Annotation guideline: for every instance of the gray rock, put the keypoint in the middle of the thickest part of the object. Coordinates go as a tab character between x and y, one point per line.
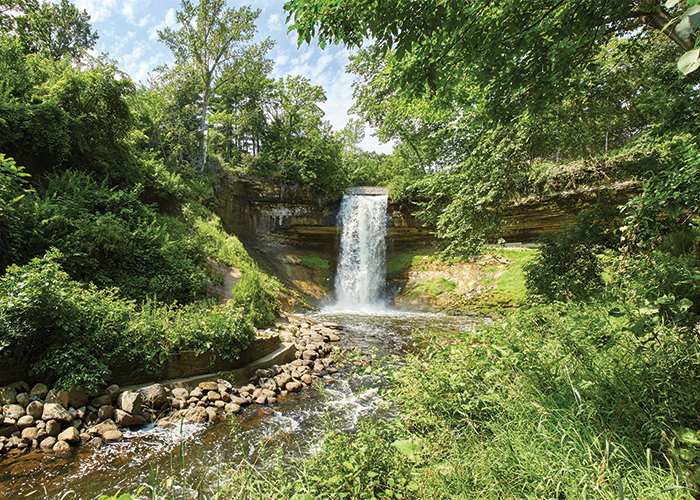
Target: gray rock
126	420
100	401
53	428
23	399
59	397
113	391
70	435
47	443
85	437
40	391
8	395
35	409
130	402
54	411
77	397
293	386
105	412
8	430
154	395
77	423
25	421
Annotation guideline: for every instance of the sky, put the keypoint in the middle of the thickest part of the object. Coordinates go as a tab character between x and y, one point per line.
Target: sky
128	33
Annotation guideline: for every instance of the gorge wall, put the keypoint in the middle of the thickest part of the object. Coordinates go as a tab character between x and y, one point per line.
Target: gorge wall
293	230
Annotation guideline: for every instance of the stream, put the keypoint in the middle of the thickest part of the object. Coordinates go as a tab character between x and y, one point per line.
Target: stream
193	453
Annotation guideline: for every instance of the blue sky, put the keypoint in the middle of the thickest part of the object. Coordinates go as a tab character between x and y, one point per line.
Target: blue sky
127	31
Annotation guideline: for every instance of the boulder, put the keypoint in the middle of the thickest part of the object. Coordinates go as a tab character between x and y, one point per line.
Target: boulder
154	395
127	420
208	386
8	430
55	411
47	443
181	393
105	412
8	395
112	391
238	400
198	414
40	391
103	427
70	435
53	428
130	402
293	386
212	414
77	397
197	392
232	408
35	409
14	411
100	401
23	399
113	435
25	421
283	379
213	396
61	447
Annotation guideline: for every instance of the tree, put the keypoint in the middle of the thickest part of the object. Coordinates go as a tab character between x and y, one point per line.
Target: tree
517	50
55	30
209	39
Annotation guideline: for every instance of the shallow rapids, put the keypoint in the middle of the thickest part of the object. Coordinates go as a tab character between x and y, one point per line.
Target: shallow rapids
181	458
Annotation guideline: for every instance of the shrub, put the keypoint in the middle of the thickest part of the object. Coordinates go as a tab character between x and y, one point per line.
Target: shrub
255	298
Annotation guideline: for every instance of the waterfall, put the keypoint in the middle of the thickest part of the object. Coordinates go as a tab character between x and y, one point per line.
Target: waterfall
361	276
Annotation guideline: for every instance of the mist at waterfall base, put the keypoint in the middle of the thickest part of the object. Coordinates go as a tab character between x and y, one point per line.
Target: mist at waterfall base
361	277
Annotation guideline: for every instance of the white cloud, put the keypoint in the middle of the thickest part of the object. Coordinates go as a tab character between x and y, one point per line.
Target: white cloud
274	23
169	20
99	10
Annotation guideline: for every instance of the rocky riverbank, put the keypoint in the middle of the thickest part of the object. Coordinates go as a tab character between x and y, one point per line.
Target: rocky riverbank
55	420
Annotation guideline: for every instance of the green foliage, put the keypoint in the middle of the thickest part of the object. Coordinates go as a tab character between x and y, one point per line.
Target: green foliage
435	287
255	297
567	266
315	261
13	212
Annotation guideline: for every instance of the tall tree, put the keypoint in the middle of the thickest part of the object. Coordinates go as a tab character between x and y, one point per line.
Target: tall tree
55	30
209	38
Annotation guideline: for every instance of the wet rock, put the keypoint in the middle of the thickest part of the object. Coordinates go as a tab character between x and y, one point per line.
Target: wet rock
105	412
271	400
55	411
178	404
8	395
100	401
212	414
130	402
77	423
59	397
53	428
70	435
165	423
61	447
268	393
103	427
85	437
40	391
113	435
282	379
47	443
127	420
261	400
306	379
181	393
25	421
77	397
332	337
154	395
237	400
13	411
293	386
197	414
232	408
113	392
264	373
97	441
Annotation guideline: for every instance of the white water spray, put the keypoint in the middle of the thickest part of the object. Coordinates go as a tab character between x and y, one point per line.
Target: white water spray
361	276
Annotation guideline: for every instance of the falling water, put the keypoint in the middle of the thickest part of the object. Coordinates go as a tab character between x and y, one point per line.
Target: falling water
361	279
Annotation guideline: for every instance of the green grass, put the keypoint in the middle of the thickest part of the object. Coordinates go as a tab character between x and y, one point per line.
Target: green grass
435	287
402	262
316	262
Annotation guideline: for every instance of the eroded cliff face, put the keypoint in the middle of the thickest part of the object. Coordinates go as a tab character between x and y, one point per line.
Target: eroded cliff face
294	230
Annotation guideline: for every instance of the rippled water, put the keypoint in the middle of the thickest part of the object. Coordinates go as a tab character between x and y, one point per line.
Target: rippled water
194	452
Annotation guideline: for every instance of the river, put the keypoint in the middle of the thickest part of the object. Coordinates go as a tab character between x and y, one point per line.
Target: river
176	461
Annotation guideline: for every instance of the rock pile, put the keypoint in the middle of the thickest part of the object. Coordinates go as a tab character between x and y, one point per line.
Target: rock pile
43	419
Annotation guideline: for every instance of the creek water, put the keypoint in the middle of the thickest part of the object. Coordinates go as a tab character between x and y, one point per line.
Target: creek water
194	454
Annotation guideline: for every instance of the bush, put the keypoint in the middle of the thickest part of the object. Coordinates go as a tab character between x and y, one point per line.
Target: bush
255	298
